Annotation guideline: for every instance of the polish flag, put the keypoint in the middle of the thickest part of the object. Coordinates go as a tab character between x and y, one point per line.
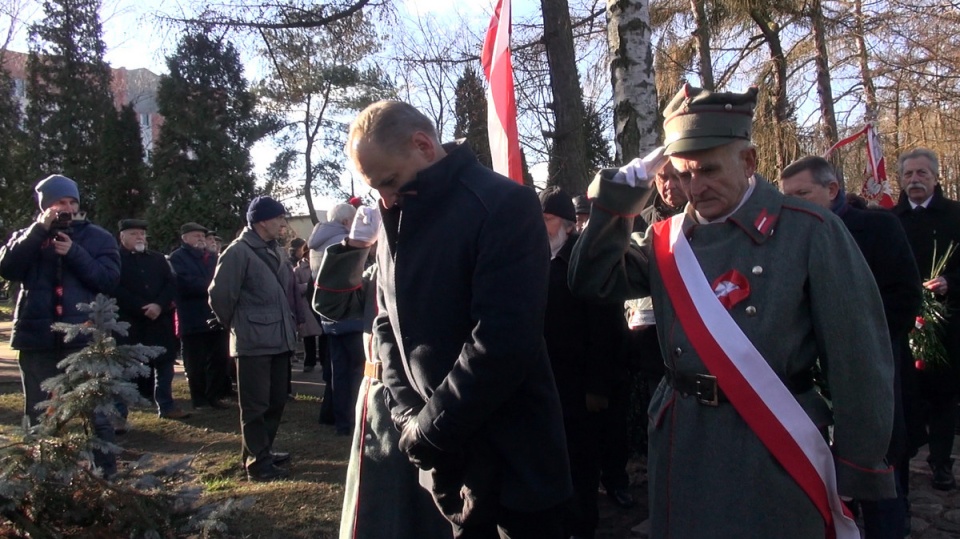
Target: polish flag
501	100
876	187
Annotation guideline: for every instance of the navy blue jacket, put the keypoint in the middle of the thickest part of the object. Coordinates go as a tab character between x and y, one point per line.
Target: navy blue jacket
194	268
461	292
91	266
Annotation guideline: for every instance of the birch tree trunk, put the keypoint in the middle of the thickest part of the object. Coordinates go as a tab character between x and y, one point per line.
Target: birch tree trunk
635	115
568	156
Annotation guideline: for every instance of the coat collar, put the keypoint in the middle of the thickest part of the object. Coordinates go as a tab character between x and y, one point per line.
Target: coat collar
937	202
757	217
433	182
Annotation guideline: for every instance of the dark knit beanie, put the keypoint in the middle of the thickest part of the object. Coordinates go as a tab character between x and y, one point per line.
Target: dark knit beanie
263	209
582	204
53	188
556	201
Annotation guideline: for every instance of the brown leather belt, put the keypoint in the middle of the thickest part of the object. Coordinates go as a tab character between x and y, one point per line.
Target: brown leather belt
373	370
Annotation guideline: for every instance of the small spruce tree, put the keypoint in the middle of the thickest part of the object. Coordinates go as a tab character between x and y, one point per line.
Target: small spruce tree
48	485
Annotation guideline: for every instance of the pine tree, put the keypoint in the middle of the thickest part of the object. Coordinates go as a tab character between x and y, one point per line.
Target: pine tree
47	485
124	191
200	167
598	150
16	210
470	111
318	81
68	92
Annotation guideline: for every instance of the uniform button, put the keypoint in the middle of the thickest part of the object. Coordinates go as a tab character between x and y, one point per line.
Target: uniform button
757	270
677	352
751	310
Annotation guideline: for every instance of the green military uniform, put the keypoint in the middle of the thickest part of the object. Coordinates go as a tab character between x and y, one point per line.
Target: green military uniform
810	296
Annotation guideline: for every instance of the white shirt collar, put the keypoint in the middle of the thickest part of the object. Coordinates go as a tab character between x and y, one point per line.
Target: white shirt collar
925	203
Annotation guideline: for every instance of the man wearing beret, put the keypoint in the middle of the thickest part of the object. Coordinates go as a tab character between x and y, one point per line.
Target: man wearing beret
253	293
145	296
202	340
61	260
751	290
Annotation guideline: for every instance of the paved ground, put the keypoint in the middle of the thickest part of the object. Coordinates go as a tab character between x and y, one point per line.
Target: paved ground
936	514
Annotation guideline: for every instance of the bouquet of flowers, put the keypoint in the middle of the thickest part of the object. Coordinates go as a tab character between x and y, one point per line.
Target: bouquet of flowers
926	342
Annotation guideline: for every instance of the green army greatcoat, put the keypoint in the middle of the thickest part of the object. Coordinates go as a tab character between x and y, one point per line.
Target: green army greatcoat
811	296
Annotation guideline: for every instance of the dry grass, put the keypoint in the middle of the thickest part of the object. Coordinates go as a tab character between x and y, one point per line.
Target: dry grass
307	505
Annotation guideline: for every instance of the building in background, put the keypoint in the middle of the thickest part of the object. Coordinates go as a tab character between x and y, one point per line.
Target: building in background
137	86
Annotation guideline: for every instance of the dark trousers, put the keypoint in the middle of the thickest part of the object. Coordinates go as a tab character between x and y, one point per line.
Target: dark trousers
512	524
262	390
314	350
941	419
583	449
39	365
346	362
614	439
205	363
884	519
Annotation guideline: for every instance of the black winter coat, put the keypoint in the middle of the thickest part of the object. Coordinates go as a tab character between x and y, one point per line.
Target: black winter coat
462	292
147	278
928	231
194	269
584	340
91	266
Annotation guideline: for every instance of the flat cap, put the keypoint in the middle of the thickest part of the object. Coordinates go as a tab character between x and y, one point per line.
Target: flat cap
126	224
192	227
582	204
698	119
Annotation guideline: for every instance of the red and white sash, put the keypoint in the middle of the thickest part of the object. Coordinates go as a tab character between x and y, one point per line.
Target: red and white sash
754	390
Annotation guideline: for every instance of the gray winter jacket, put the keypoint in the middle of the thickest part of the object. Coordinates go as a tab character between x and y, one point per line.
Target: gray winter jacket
249	294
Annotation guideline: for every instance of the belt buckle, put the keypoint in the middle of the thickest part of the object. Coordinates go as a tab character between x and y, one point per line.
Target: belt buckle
707	393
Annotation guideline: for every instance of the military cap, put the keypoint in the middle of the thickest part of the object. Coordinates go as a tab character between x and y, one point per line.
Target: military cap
126	224
698	119
192	227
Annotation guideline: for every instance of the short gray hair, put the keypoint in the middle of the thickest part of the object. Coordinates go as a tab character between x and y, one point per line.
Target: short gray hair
389	125
341	212
820	169
920	152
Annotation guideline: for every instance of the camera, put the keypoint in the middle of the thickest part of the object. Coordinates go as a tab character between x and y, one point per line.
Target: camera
62	222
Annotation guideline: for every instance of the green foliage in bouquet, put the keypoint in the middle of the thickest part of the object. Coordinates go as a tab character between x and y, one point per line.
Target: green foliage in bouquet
926	339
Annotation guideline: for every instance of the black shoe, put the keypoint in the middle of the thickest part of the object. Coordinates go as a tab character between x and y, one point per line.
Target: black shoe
279	457
622	497
267	473
308	368
943	477
220	405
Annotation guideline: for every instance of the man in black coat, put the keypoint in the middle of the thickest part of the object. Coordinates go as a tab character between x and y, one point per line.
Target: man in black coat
145	295
884	246
932	223
203	341
464	261
584	343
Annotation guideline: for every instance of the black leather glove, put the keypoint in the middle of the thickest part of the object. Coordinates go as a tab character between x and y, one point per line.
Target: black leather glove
421	453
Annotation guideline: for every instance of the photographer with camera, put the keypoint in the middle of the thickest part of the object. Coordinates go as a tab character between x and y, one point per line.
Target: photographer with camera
62	260
203	340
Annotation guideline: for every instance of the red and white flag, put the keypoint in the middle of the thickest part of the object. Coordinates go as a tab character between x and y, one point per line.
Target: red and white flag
876	187
501	99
